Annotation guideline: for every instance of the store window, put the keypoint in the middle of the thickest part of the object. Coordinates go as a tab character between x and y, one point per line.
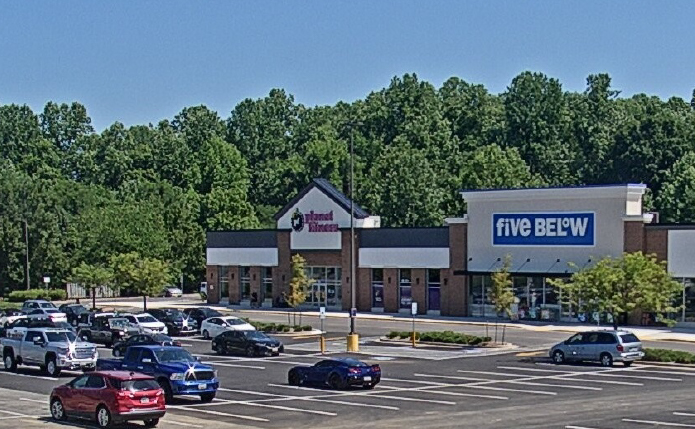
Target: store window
480	305
267	282
405	289
325	290
688	312
223	277
245	283
434	284
377	288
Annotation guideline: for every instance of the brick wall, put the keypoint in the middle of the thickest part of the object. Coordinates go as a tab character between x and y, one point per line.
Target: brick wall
454	294
390	290
364	289
283	273
213	285
656	241
633	236
255	273
234	285
419	289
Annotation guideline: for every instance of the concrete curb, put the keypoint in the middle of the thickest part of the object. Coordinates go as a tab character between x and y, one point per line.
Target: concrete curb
386	340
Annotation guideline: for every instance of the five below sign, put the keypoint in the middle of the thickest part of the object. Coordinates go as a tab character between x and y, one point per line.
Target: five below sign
543	229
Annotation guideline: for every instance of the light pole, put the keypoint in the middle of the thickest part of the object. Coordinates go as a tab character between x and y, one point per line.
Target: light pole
352	338
26	243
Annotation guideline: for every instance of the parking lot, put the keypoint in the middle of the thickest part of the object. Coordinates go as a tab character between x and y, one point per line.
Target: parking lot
493	391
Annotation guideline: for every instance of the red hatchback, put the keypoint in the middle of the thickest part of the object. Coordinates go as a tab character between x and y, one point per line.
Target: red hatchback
110	397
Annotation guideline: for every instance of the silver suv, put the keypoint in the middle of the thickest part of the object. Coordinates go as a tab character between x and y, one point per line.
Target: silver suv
603	346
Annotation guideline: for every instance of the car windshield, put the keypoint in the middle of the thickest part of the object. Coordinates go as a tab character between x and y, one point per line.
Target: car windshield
78	309
46	305
161	338
63	325
257	335
629	338
208	312
118	323
134	385
174	355
146	319
174	314
354	362
60	337
234	321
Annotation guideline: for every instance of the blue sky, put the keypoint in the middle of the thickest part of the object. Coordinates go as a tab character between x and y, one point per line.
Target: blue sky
139	62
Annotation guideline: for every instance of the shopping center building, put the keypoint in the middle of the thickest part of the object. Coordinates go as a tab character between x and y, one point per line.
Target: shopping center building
547	233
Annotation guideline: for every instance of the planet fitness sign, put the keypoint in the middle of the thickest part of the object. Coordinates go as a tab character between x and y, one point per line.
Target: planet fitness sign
543	229
315	222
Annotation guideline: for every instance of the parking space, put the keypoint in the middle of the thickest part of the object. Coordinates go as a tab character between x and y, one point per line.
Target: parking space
493	391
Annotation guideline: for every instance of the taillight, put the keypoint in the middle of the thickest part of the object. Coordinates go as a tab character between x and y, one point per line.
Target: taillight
177	343
376	368
354	371
620	348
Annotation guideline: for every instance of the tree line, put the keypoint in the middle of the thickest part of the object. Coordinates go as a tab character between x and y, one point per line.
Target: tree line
87	197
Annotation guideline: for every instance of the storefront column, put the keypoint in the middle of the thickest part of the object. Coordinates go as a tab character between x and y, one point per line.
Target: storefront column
213	286
283	273
234	285
419	290
390	290
364	289
255	273
454	293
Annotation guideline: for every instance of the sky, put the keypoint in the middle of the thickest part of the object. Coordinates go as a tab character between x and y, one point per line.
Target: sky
139	62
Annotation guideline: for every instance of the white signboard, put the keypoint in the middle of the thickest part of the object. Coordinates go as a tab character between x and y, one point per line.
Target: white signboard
322	312
413	308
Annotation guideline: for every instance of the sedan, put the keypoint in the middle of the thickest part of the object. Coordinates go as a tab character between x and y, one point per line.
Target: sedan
109	397
214	326
250	343
339	373
173	292
10	315
120	347
53	314
177	322
201	313
72	312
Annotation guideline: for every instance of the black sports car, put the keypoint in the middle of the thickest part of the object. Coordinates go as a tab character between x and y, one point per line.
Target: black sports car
250	343
337	373
176	321
120	347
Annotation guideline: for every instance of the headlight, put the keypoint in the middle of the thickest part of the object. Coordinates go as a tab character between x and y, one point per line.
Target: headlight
62	351
121	333
177	376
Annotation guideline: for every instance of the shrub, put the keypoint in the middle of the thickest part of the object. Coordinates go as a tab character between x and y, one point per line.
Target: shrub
285	328
48	294
296	328
307	328
5	305
449	337
664	355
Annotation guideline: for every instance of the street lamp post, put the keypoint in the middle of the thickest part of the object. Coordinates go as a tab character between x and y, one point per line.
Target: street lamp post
353	337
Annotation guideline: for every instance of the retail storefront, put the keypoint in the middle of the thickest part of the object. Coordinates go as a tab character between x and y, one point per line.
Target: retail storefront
546	233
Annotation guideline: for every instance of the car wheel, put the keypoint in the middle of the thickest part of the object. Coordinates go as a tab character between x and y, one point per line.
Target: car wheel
116	352
558	357
103	417
207	397
150	423
335	381
293	379
627	363
57	410
369	386
250	351
52	368
606	359
206	334
166	387
10	362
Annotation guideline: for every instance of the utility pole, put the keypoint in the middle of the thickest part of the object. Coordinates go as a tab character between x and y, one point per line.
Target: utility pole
352	338
26	246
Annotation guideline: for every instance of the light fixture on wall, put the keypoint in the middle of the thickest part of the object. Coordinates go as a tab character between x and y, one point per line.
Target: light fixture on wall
417	280
389	279
446	281
232	276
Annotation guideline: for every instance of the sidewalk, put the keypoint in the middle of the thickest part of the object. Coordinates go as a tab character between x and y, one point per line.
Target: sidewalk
682	334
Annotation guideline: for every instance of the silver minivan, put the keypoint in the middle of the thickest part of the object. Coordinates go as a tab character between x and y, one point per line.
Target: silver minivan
602	346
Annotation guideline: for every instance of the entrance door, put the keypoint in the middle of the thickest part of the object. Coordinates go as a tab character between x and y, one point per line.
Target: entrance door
319	296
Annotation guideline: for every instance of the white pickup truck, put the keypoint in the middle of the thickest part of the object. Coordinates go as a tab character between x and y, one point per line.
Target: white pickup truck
52	349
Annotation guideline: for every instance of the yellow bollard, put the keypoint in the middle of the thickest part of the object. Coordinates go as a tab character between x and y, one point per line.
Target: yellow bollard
353	343
322	344
412	336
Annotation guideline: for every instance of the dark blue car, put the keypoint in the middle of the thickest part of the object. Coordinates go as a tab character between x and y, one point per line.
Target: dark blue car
339	373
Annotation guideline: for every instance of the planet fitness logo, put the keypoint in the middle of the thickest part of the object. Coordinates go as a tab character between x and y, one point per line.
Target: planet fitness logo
297	220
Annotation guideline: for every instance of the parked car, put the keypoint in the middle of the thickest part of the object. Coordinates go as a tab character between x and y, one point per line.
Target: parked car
250	343
47	313
18	328
119	347
20	321
214	326
87	318
107	330
109	397
176	370
10	315
172	292
72	312
49	348
201	313
146	323
37	303
605	347
176	321
338	373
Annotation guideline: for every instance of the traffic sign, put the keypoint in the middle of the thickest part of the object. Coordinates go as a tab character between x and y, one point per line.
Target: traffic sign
413	308
322	312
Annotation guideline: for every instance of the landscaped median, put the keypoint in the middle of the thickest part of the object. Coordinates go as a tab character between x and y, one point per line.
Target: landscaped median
281	328
665	355
446	337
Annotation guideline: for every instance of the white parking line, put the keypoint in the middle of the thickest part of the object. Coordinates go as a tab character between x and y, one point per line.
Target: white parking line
450	377
571	377
440	392
217	413
34	400
519	368
655	371
304	398
658	423
238	359
562	386
280	407
501	374
678	413
233	365
643	377
30	376
485	381
370	393
578	427
173	422
504	389
15	414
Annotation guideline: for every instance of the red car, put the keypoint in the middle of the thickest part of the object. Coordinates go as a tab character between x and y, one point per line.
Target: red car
110	397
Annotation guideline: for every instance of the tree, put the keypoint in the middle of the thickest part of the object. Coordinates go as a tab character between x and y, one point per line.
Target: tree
501	292
92	276
299	285
676	201
616	286
143	276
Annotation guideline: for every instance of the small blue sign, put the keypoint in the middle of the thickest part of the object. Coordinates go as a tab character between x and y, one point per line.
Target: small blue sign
543	229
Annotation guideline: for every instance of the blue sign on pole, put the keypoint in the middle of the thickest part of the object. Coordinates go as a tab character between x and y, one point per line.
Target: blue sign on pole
543	229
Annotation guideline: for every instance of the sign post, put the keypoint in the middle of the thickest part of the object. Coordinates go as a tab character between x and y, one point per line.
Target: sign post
46	280
322	340
413	312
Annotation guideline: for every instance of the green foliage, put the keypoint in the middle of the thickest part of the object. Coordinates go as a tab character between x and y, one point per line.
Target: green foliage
449	337
92	276
47	294
140	275
501	292
5	305
665	355
299	284
615	286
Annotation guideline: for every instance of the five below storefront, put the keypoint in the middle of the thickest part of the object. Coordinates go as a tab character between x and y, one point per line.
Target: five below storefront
547	233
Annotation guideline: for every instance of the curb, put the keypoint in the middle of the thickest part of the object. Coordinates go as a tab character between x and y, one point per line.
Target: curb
300	334
386	340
